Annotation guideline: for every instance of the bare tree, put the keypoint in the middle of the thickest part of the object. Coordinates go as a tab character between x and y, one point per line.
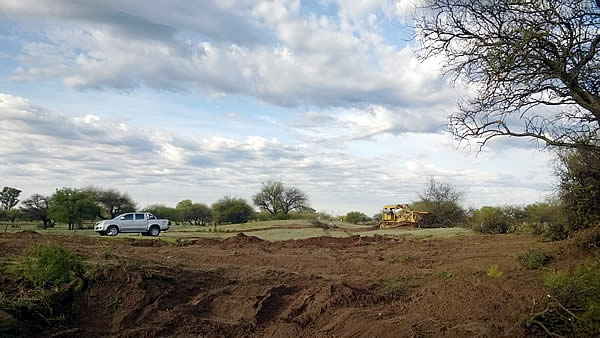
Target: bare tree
533	65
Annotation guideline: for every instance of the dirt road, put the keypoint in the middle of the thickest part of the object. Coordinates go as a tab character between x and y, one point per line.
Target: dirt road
318	287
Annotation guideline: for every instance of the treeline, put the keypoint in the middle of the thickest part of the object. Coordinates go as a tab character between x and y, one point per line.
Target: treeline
75	206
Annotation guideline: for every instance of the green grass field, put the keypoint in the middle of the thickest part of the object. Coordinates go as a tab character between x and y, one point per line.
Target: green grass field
267	230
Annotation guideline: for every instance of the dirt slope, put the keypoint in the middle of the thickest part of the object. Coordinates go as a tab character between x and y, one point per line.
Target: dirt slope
322	287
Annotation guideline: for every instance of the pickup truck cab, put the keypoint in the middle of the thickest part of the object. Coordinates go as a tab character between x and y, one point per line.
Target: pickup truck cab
142	222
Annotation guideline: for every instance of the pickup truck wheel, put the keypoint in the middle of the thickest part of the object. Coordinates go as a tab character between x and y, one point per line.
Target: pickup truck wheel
154	231
112	230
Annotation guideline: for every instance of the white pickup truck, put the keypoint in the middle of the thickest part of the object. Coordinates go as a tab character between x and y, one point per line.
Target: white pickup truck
142	222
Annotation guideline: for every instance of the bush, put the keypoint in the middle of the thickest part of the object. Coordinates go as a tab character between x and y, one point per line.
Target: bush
355	217
50	265
490	220
579	189
588	239
442	200
575	306
232	210
534	259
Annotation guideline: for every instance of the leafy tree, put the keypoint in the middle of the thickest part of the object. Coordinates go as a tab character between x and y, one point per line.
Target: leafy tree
578	172
533	66
184	204
36	208
116	203
9	197
355	217
111	203
442	200
13	214
183	211
161	211
72	206
377	217
232	210
278	200
199	213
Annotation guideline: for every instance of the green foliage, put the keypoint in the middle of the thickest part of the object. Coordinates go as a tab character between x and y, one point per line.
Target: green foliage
279	200
445	275
308	214
162	211
490	220
588	239
534	259
579	188
494	271
9	198
111	202
263	216
232	210
36	208
72	206
394	287
355	217
442	200
575	306
13	214
50	265
193	213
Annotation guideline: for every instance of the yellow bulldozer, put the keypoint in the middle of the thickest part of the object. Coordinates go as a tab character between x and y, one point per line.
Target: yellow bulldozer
401	215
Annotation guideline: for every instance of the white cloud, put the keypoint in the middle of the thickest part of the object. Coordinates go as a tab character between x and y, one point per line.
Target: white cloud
41	150
306	60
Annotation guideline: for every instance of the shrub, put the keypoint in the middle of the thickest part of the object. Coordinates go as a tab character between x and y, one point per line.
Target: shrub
394	287
574	309
490	220
355	217
579	189
50	265
534	259
232	210
588	239
442	200
494	272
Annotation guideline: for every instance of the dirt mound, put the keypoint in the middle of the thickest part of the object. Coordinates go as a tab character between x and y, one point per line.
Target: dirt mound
241	239
25	234
334	242
145	243
163	301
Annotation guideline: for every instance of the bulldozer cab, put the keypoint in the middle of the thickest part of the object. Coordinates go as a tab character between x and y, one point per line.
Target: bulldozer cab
400	215
391	213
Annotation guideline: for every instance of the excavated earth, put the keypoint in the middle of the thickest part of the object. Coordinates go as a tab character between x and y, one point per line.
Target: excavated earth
318	287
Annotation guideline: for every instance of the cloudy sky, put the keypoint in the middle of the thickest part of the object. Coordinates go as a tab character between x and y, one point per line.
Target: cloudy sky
170	100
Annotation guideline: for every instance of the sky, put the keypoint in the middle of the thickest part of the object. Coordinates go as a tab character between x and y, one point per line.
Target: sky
173	100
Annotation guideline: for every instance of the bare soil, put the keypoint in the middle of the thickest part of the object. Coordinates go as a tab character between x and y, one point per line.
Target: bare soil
318	287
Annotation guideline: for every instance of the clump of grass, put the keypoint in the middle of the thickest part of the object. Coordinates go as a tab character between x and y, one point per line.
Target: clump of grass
445	275
494	271
395	287
574	307
107	253
49	265
534	259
